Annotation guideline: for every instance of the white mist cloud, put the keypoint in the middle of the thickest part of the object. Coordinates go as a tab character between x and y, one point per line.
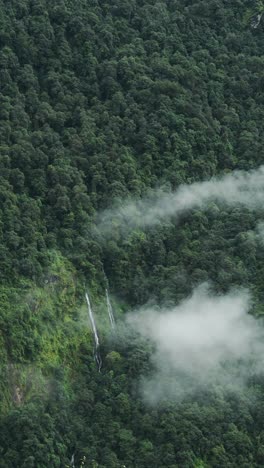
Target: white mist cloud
206	340
236	188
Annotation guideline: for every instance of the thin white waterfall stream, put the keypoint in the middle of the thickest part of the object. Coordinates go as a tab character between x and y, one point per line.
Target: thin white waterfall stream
96	339
110	310
72	461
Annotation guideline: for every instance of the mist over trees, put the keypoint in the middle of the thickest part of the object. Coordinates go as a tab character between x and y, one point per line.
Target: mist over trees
101	105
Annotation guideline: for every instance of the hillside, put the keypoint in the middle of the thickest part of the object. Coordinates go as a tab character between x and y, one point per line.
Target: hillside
105	105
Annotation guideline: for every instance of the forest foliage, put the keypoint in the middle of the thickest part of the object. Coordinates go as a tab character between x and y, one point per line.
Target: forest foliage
100	102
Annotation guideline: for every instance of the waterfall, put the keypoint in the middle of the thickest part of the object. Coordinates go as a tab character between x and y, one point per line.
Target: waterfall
72	461
96	339
97	356
110	310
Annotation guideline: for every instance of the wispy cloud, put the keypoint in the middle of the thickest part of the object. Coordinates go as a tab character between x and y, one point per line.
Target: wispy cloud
236	188
206	340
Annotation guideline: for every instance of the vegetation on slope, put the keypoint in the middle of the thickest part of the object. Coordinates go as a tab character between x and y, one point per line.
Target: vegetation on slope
100	102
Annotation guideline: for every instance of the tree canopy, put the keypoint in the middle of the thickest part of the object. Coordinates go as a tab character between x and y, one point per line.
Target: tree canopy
102	102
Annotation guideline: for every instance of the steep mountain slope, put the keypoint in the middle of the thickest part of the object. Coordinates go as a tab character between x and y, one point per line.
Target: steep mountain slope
101	102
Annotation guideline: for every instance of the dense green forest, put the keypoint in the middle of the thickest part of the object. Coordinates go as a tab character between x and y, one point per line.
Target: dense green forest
103	102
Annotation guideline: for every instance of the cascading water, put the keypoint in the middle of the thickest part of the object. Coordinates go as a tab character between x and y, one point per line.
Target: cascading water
72	461
97	356
110	310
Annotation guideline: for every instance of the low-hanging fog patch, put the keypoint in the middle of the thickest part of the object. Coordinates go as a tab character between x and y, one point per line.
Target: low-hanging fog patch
207	340
236	188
